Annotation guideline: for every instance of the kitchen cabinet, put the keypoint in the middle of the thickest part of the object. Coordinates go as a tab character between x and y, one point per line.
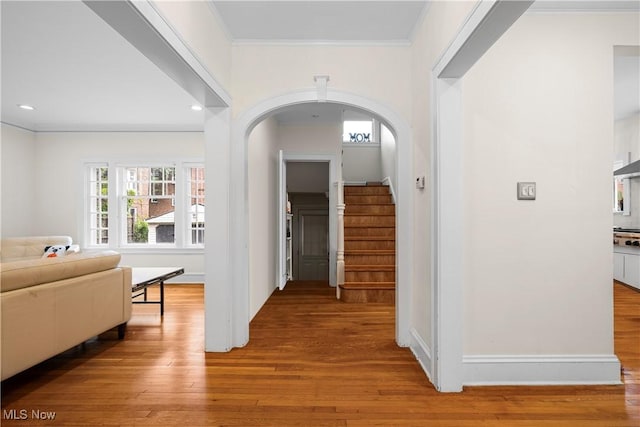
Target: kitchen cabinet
618	267
626	268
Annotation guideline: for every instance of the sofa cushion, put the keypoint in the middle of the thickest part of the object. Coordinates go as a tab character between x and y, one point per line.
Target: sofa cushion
14	248
30	272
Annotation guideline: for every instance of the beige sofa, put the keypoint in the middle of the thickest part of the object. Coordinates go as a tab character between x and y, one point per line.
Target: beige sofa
49	305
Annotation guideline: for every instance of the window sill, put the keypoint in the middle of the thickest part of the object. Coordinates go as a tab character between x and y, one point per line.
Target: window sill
360	144
152	250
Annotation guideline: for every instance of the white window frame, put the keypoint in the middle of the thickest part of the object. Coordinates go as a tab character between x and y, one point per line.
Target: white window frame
375	133
626	191
90	226
118	185
187	166
123	173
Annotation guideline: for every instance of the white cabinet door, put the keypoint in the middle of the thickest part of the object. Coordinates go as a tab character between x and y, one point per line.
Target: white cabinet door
618	267
626	268
632	270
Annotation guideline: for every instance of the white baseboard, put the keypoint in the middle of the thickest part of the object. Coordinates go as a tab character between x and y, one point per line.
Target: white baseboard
422	352
541	370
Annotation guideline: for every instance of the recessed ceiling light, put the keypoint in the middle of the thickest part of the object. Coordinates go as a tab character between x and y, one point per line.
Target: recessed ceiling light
26	107
315	116
196	108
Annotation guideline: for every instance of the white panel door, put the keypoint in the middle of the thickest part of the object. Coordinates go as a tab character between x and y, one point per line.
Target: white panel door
281	268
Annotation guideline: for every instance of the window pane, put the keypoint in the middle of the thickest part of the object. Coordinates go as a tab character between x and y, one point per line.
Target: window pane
147	204
156	174
156	189
98	205
136	225
357	132
150	204
170	174
196	196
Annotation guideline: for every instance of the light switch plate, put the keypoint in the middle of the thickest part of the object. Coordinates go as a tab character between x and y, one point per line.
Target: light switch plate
526	191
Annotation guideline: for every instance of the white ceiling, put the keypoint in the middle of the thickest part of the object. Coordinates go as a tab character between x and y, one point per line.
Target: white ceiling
81	75
310	113
321	21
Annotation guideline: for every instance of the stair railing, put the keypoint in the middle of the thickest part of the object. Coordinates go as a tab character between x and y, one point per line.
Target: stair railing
340	251
387	181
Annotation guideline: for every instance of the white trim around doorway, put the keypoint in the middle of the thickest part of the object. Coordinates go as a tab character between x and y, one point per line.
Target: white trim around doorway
331	159
243	126
485	24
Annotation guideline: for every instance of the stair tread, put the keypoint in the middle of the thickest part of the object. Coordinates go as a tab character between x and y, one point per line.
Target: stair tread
374	206
361	194
368	214
368	226
368	285
368	184
367	238
348	187
370	267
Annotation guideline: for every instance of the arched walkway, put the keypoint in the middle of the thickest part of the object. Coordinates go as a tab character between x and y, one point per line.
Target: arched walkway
242	127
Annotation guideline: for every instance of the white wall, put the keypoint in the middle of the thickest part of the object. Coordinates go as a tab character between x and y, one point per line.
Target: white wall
263	219
431	39
19	180
540	108
388	155
58	171
627	140
361	163
310	139
380	73
202	31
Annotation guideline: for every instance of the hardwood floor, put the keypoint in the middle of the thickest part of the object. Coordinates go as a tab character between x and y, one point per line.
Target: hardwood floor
312	361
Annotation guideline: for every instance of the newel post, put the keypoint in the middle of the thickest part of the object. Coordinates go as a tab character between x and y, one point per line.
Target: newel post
340	252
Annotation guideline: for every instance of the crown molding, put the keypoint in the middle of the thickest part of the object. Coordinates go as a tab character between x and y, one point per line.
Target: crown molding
322	43
584	6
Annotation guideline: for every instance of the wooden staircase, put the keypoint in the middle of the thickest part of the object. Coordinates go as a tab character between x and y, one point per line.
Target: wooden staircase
369	244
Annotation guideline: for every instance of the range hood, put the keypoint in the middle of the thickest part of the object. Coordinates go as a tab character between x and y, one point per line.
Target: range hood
632	170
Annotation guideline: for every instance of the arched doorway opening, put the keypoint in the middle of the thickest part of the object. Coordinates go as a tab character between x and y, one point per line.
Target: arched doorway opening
239	205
